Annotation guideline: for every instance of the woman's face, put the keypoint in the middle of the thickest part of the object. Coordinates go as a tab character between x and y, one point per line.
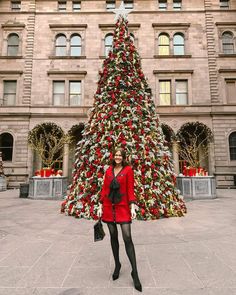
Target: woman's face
118	158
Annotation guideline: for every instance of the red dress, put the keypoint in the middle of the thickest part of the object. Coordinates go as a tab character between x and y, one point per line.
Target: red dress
120	212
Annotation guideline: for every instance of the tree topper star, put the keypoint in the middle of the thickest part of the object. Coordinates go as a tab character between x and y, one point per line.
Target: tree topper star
121	11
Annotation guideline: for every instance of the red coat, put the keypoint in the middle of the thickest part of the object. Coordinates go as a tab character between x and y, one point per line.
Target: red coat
119	213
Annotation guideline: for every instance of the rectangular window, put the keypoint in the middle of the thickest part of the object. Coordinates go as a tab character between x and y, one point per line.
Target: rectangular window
231	91
9	95
162	4
129	4
224	4
110	4
59	93
75	93
165	92
177	4
181	92
76	6
61	5
15	5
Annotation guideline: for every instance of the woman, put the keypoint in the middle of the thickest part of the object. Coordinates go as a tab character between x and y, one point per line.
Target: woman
117	207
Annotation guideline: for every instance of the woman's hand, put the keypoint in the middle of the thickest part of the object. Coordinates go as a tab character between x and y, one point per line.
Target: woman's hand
133	212
99	212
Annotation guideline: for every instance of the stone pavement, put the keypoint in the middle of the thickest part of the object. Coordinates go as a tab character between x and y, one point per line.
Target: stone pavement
43	252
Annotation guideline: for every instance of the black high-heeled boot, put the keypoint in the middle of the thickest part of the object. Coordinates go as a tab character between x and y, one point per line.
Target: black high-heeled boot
116	272
137	284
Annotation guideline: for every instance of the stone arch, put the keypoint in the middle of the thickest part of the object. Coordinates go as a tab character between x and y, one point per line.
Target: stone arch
76	135
47	141
194	139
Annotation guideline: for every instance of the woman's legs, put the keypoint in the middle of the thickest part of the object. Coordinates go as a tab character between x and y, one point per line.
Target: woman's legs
129	247
115	248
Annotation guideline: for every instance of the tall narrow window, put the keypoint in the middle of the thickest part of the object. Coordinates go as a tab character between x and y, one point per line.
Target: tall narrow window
232	146
164	44
228	43
6	146
76	6
177	4
108	43
60	45
224	4
164	92
162	4
178	44
61	5
75	45
129	4
75	93
9	95
181	95
110	4
231	91
15	5
13	45
58	93
132	37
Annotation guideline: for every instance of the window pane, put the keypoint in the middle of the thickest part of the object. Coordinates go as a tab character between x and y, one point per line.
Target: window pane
177	4
59	93
62	5
164	45
129	4
76	5
108	44
13	40
76	40
15	5
165	92
224	3
232	146
231	91
75	93
61	40
9	95
181	92
178	44
75	51
110	4
162	4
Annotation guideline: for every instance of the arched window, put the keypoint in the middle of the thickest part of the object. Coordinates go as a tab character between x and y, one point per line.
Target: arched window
12	44
108	43
61	45
178	44
164	44
228	43
232	146
75	45
6	146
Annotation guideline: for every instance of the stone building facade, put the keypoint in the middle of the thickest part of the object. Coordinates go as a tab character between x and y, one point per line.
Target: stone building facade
51	52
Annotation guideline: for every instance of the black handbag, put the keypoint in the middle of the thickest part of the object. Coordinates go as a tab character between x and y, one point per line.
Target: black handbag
99	233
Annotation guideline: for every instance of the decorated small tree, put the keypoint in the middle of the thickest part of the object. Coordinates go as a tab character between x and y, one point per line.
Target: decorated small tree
124	115
48	140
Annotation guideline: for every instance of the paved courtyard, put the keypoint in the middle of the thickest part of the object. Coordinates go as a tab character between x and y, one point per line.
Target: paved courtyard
47	253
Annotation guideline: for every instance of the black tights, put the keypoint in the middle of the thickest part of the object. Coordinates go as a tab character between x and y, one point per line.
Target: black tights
129	246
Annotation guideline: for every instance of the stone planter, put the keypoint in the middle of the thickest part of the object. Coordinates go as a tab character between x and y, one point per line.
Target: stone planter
197	187
47	188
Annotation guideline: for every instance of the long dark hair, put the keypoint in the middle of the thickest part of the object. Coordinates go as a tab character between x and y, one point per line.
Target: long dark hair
123	154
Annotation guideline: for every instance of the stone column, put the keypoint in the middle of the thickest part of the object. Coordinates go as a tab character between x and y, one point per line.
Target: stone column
211	160
176	157
65	159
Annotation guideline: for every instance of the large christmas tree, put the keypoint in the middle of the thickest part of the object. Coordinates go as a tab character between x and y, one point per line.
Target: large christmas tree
124	115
